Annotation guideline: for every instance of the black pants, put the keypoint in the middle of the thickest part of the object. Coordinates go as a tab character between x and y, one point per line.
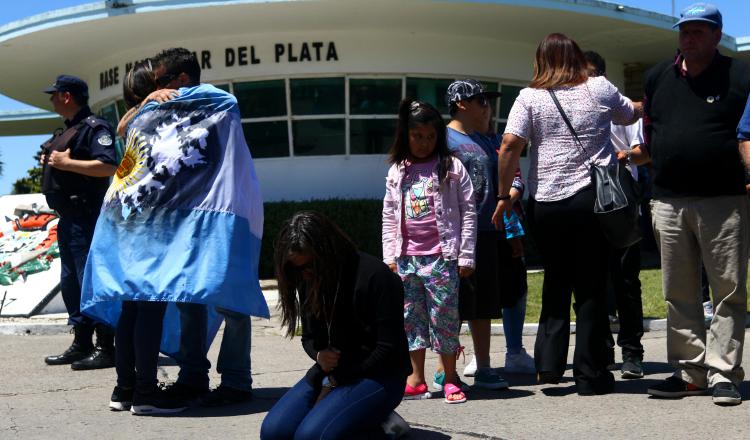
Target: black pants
574	255
138	337
624	267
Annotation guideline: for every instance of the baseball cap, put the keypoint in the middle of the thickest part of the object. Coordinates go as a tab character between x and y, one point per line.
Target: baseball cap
69	83
462	89
705	12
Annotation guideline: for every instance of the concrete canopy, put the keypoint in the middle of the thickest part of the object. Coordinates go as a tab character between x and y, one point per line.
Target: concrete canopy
74	40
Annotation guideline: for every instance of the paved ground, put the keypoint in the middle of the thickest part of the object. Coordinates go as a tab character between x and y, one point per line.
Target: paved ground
37	401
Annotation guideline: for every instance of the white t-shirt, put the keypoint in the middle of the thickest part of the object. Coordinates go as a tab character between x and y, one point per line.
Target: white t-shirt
625	137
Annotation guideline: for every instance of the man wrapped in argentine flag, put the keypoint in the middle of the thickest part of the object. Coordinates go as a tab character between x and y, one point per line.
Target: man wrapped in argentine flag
183	218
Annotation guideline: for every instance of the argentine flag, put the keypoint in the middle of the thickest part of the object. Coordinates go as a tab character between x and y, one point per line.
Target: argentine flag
183	218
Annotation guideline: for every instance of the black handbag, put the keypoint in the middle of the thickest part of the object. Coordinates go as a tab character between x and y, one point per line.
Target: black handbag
617	197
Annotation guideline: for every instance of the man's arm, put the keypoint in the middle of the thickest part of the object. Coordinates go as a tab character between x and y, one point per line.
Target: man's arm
745	154
93	168
638	156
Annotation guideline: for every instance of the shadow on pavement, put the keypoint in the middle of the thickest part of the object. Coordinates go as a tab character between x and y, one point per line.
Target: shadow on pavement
629	386
525	380
263	400
423	434
657	368
482	394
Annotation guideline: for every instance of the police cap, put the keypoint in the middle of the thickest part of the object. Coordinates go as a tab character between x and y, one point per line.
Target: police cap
69	83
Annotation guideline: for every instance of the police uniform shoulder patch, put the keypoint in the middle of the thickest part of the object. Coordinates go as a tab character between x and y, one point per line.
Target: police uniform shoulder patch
105	139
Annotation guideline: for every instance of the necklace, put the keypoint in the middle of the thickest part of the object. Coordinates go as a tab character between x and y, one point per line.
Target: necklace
329	319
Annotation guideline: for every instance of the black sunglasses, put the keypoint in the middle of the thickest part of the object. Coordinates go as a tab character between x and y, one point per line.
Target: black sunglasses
165	79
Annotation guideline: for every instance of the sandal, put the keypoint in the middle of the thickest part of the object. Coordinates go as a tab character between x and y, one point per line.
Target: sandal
418	392
451	390
439	379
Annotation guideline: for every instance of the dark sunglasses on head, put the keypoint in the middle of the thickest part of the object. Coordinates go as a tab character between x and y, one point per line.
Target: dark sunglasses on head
165	79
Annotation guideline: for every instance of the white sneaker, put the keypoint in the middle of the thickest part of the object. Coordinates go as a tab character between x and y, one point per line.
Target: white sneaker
395	426
471	369
520	363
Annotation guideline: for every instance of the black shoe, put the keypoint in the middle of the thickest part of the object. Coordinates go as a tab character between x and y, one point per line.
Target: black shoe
79	349
224	395
156	402
632	367
121	400
543	377
98	359
674	387
74	353
726	394
596	386
187	394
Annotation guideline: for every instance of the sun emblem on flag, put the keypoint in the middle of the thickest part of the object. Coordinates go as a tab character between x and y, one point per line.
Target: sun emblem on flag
132	166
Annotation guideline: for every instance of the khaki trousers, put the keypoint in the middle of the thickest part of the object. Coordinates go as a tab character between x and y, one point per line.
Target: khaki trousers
715	231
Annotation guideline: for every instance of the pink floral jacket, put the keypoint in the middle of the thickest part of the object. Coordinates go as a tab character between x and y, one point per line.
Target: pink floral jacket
454	211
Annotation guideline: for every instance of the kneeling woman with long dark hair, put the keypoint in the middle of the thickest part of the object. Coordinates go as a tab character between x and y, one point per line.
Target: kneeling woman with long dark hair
351	309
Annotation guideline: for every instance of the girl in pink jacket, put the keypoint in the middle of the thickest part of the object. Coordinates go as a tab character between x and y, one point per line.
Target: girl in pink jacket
429	231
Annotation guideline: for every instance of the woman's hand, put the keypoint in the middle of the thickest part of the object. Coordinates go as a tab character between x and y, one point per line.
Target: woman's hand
465	271
393	268
162	96
328	359
503	207
326	389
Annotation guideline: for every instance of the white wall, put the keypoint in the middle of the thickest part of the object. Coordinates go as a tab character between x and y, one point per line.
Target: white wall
359	52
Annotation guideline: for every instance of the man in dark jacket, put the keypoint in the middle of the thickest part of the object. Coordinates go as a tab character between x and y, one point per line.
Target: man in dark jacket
700	207
77	164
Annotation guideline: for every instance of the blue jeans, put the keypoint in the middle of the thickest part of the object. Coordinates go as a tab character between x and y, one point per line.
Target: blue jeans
348	410
513	319
234	355
194	364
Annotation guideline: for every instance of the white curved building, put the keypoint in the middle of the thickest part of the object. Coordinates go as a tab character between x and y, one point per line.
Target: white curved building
319	81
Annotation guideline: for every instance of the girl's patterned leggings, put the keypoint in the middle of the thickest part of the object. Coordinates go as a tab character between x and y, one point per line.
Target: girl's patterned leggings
430	302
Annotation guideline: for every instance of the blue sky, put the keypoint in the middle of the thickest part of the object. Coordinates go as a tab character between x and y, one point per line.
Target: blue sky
17	152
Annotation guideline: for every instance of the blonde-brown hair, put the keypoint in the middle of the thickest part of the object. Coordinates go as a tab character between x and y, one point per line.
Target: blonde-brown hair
559	62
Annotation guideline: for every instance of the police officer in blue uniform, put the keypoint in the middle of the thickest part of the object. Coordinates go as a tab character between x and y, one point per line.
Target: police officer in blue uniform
77	164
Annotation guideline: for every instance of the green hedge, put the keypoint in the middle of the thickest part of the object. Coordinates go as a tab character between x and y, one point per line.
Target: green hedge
361	219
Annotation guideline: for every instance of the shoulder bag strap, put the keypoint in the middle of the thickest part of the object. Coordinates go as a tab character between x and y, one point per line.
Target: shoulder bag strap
565	118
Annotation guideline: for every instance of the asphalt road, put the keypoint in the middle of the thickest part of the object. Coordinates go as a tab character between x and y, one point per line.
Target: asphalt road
38	401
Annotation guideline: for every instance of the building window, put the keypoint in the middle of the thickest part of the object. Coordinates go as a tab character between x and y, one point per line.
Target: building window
374	96
319	137
337	115
109	113
317	96
371	136
429	90
260	99
224	87
267	139
510	93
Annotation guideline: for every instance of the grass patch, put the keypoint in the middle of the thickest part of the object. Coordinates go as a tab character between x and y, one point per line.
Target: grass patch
651	295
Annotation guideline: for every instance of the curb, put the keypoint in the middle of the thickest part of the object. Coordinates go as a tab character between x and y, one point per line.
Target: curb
649	325
57	323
